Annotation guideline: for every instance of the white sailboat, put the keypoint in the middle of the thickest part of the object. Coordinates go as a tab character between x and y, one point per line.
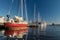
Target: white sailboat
33	23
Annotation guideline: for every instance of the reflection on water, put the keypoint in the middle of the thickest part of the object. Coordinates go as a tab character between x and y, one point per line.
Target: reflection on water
45	33
42	33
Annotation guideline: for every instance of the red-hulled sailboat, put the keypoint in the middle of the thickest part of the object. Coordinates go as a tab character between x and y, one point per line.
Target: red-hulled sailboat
17	26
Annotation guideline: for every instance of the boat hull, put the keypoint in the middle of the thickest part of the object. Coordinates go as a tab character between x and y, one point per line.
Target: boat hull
16	28
8	24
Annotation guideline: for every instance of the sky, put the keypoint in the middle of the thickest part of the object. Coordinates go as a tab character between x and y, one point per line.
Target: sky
49	9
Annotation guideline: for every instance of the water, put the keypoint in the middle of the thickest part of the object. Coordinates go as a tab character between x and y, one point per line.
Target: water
45	33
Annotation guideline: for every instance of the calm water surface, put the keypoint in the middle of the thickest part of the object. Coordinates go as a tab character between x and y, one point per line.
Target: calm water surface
41	33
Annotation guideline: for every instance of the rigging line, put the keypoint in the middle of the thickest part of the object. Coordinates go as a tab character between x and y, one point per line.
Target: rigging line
10	7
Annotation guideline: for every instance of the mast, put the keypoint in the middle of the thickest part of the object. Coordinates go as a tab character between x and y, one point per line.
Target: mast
22	7
19	9
39	17
34	12
26	10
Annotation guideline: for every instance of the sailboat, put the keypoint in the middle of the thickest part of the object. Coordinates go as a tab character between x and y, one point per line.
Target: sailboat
41	22
33	23
17	26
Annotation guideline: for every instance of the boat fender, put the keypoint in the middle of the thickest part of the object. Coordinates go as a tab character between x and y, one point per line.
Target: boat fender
12	20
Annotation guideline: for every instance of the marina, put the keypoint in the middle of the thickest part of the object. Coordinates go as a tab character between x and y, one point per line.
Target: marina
29	20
